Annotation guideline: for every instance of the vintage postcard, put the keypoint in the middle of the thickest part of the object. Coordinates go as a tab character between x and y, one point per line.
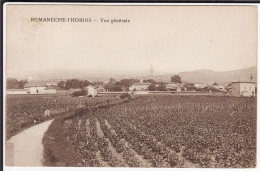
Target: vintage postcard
146	86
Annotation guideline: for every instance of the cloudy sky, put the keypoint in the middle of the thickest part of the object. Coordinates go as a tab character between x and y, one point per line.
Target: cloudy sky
172	38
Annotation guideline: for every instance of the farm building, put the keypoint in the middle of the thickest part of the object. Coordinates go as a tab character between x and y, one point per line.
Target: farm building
245	89
175	87
38	88
16	91
200	85
92	91
139	86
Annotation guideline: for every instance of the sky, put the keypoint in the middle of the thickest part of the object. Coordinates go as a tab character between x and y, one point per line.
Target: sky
171	38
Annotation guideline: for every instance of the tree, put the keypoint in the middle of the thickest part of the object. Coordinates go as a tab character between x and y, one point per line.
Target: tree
73	83
113	87
79	93
151	87
176	79
61	84
126	83
12	83
161	87
112	80
150	81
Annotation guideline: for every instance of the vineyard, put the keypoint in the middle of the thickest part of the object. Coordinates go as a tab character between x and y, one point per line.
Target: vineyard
165	131
23	110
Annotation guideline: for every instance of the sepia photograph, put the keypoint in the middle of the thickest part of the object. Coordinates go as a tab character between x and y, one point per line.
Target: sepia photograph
143	86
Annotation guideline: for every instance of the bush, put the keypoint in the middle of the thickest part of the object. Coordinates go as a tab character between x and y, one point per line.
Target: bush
125	96
79	93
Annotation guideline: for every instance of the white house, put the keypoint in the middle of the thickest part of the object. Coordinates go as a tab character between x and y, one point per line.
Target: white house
175	86
245	89
139	86
141	92
92	91
200	85
38	88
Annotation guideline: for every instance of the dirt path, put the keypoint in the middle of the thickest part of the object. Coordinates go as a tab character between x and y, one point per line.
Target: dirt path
25	148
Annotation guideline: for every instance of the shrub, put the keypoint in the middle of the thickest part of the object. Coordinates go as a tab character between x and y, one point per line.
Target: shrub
125	96
79	93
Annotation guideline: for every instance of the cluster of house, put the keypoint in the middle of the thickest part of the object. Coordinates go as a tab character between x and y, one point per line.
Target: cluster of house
235	88
50	88
238	89
35	88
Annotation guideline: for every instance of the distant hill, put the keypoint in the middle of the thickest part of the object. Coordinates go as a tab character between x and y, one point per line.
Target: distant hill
210	76
200	76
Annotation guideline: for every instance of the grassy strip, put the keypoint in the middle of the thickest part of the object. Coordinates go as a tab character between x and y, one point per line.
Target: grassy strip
58	151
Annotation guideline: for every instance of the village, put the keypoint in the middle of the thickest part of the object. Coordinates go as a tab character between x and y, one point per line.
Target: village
75	87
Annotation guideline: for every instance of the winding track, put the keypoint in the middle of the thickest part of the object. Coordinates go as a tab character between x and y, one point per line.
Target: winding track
25	148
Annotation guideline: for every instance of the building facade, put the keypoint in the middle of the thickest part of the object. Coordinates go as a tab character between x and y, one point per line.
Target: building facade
200	85
243	89
139	86
92	91
38	88
175	87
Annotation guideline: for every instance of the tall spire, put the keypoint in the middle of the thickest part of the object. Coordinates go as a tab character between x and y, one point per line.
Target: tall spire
151	70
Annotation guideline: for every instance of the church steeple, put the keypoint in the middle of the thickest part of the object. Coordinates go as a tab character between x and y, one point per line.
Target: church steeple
151	70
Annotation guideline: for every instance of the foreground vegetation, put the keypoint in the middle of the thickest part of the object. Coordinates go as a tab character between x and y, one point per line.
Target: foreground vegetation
163	131
23	111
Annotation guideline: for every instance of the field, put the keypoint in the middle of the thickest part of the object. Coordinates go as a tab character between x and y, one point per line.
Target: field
166	131
23	111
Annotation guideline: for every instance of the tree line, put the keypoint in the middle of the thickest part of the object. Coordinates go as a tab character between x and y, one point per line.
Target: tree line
12	83
73	83
112	85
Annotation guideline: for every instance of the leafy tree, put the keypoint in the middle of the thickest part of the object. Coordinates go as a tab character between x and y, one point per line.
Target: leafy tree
112	80
161	88
61	84
97	83
151	87
113	87
12	83
126	83
176	79
79	93
73	83
150	81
